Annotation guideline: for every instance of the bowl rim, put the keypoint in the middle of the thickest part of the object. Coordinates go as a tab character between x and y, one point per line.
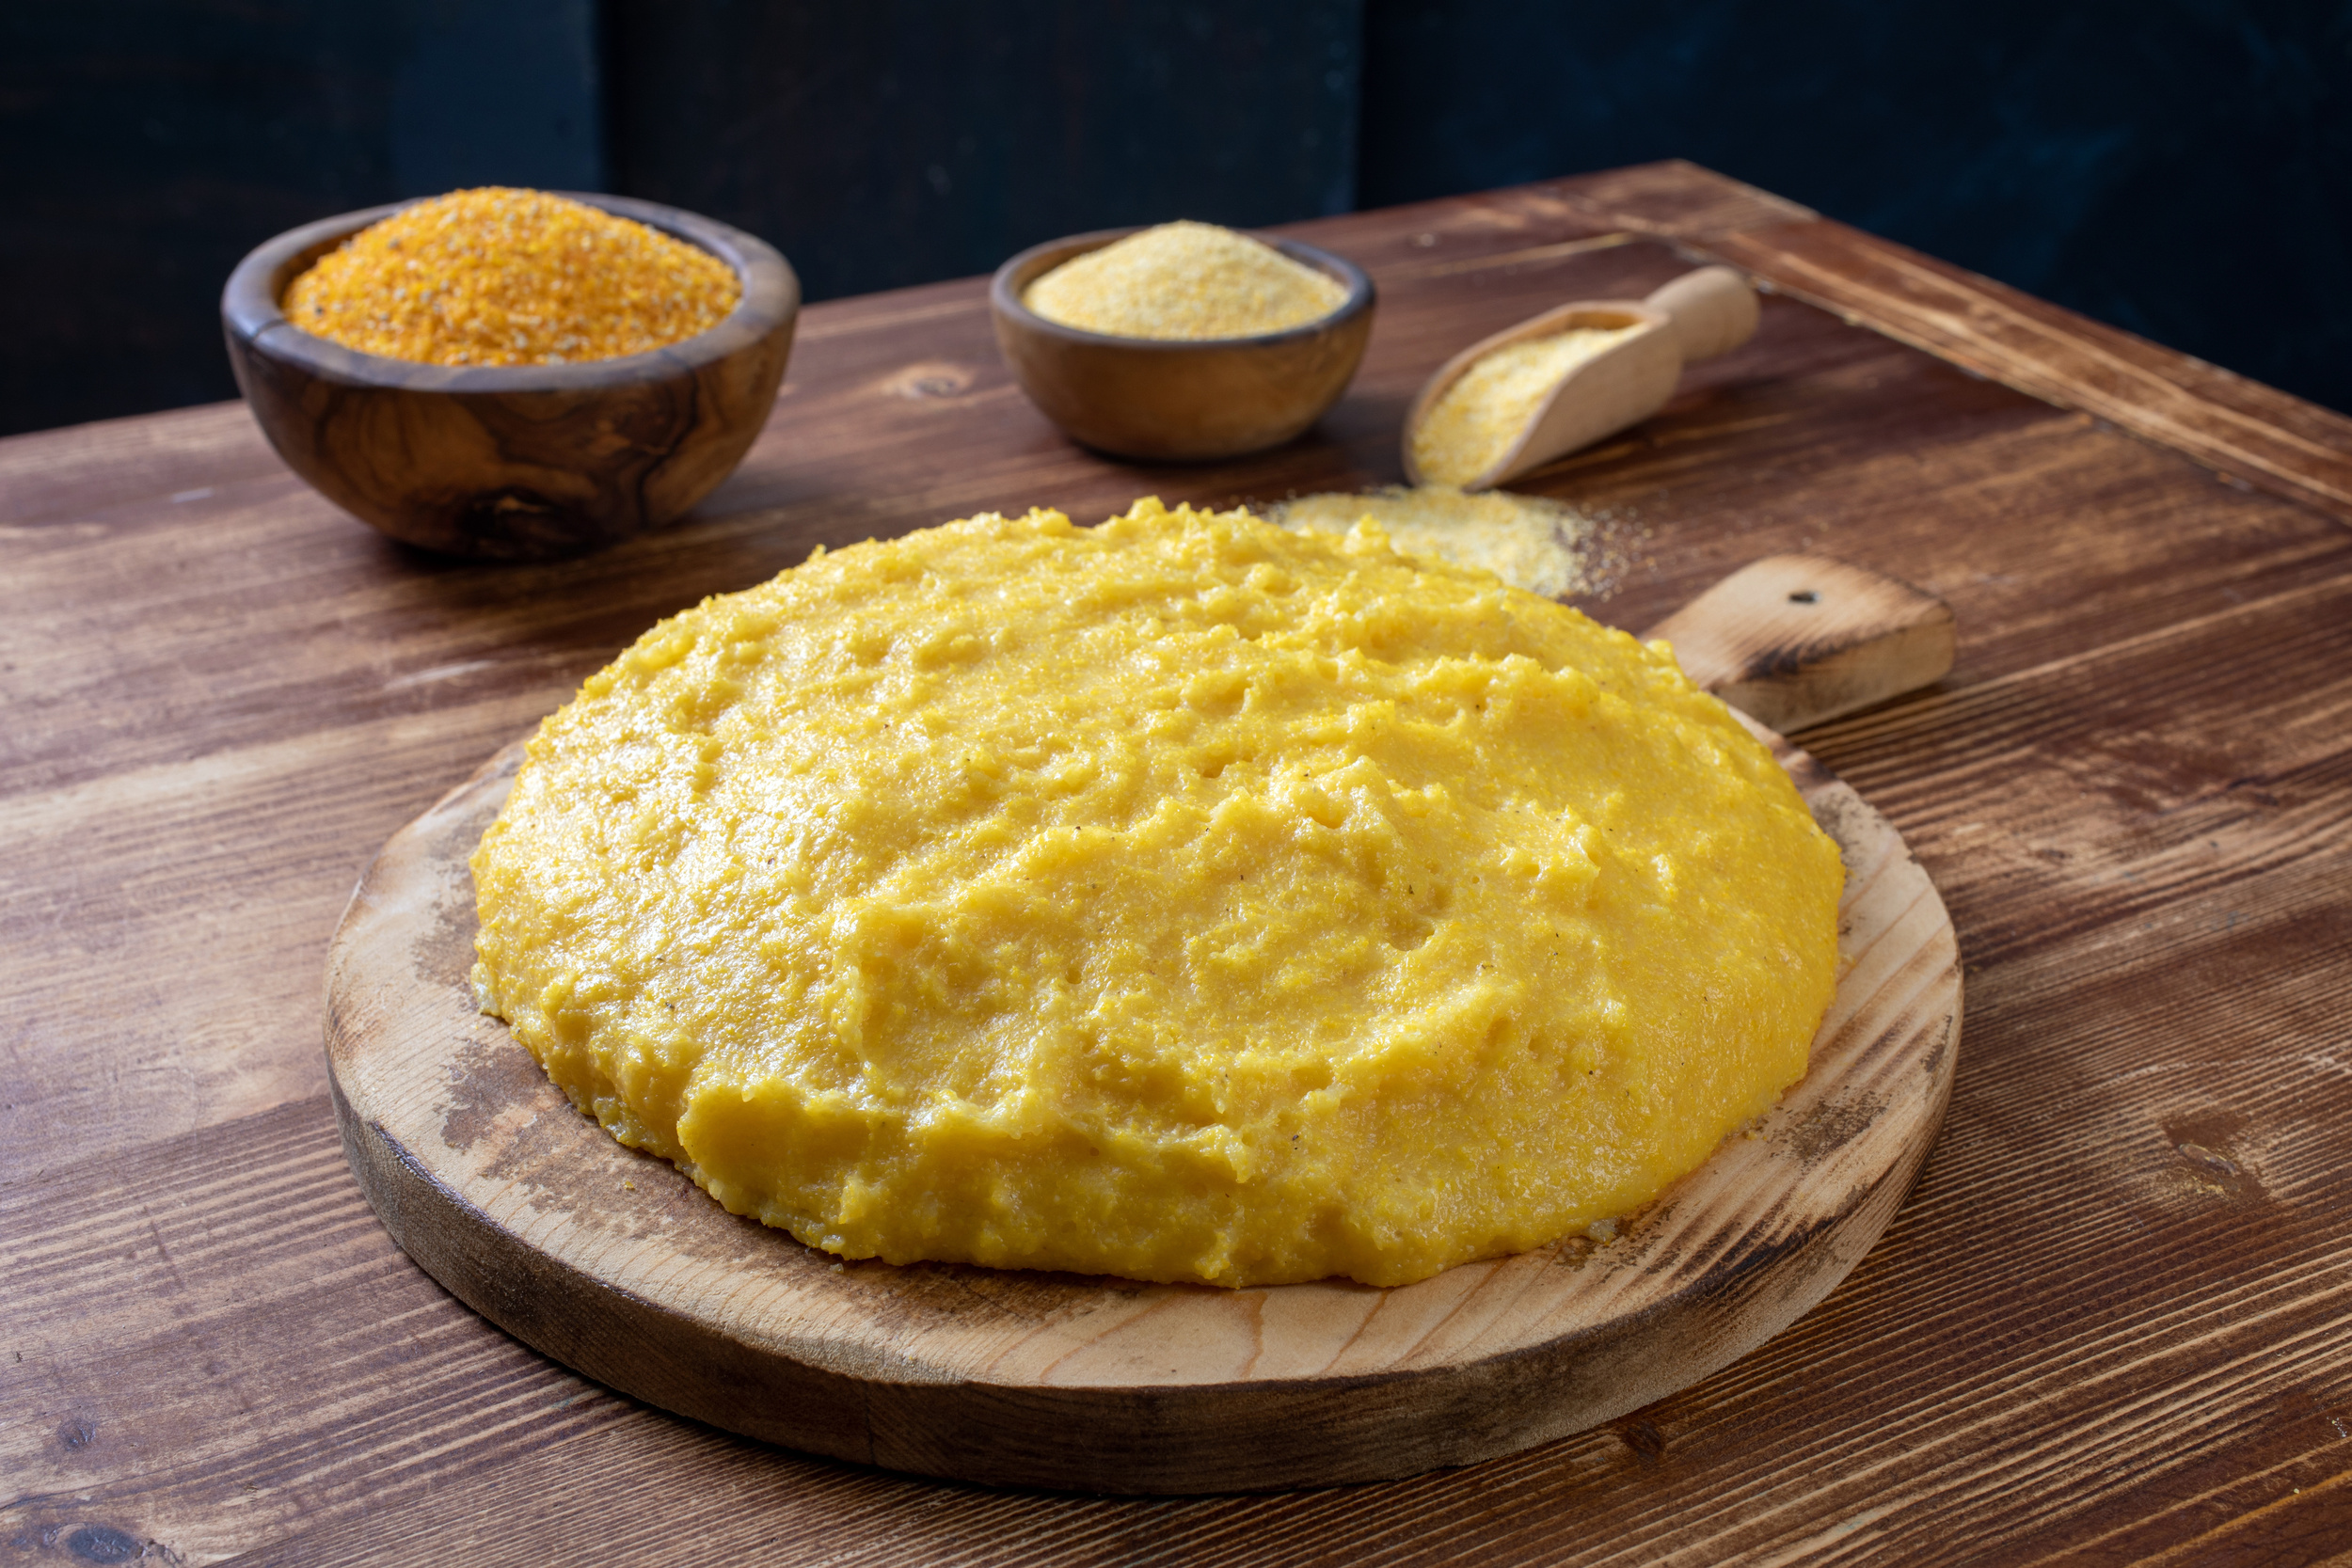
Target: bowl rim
1024	268
250	310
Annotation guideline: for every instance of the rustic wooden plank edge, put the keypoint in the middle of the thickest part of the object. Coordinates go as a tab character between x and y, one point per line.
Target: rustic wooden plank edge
2241	428
1675	199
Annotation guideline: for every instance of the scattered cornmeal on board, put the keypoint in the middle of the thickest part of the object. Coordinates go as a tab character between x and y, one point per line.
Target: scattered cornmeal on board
1528	542
1183	899
1184	281
1478	419
502	276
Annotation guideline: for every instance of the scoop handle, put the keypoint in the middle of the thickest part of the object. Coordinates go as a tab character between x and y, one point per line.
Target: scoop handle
1713	312
1794	640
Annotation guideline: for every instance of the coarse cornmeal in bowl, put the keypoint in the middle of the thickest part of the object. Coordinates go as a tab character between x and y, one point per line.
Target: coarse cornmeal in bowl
510	375
1182	898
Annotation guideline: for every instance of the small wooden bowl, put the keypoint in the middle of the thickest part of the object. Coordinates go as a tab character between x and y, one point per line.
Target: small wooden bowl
513	462
1184	401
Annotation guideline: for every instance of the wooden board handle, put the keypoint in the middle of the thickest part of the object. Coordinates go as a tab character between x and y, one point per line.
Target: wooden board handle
1713	312
1794	640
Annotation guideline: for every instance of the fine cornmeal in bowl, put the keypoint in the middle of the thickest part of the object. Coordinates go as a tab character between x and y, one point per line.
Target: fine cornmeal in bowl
1184	282
1183	898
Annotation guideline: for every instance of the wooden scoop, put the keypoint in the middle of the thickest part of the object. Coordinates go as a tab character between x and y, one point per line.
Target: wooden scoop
1696	316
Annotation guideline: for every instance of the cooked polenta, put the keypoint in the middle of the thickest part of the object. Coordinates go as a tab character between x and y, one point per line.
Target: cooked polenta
1180	898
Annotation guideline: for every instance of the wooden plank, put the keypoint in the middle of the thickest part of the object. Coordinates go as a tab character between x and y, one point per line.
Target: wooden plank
2108	1323
2238	427
2245	431
72	476
227	1338
1994	1173
2129	782
1678	200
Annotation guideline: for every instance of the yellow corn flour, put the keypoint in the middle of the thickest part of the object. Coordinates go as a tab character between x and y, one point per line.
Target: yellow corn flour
1530	542
1184	281
1481	417
1183	898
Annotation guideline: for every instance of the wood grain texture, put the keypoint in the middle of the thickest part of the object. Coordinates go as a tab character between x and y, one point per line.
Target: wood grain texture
2113	1321
1793	639
615	1264
1178	401
513	462
2238	427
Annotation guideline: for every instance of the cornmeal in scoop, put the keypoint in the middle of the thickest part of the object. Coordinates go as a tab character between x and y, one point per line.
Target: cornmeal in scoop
1182	898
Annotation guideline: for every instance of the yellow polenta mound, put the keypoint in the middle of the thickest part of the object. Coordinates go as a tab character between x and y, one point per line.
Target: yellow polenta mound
1182	898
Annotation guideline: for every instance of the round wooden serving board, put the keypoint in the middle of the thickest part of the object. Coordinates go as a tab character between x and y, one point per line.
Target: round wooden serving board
613	1263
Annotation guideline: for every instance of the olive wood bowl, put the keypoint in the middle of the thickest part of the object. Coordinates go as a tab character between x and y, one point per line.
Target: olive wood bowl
1188	400
513	462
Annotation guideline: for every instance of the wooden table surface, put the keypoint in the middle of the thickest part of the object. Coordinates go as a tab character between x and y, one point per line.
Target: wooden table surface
2113	1322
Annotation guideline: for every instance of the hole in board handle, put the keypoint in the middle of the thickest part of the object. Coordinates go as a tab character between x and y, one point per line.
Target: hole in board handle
1805	595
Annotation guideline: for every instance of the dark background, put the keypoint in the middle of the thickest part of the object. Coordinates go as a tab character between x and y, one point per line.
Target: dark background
2179	168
